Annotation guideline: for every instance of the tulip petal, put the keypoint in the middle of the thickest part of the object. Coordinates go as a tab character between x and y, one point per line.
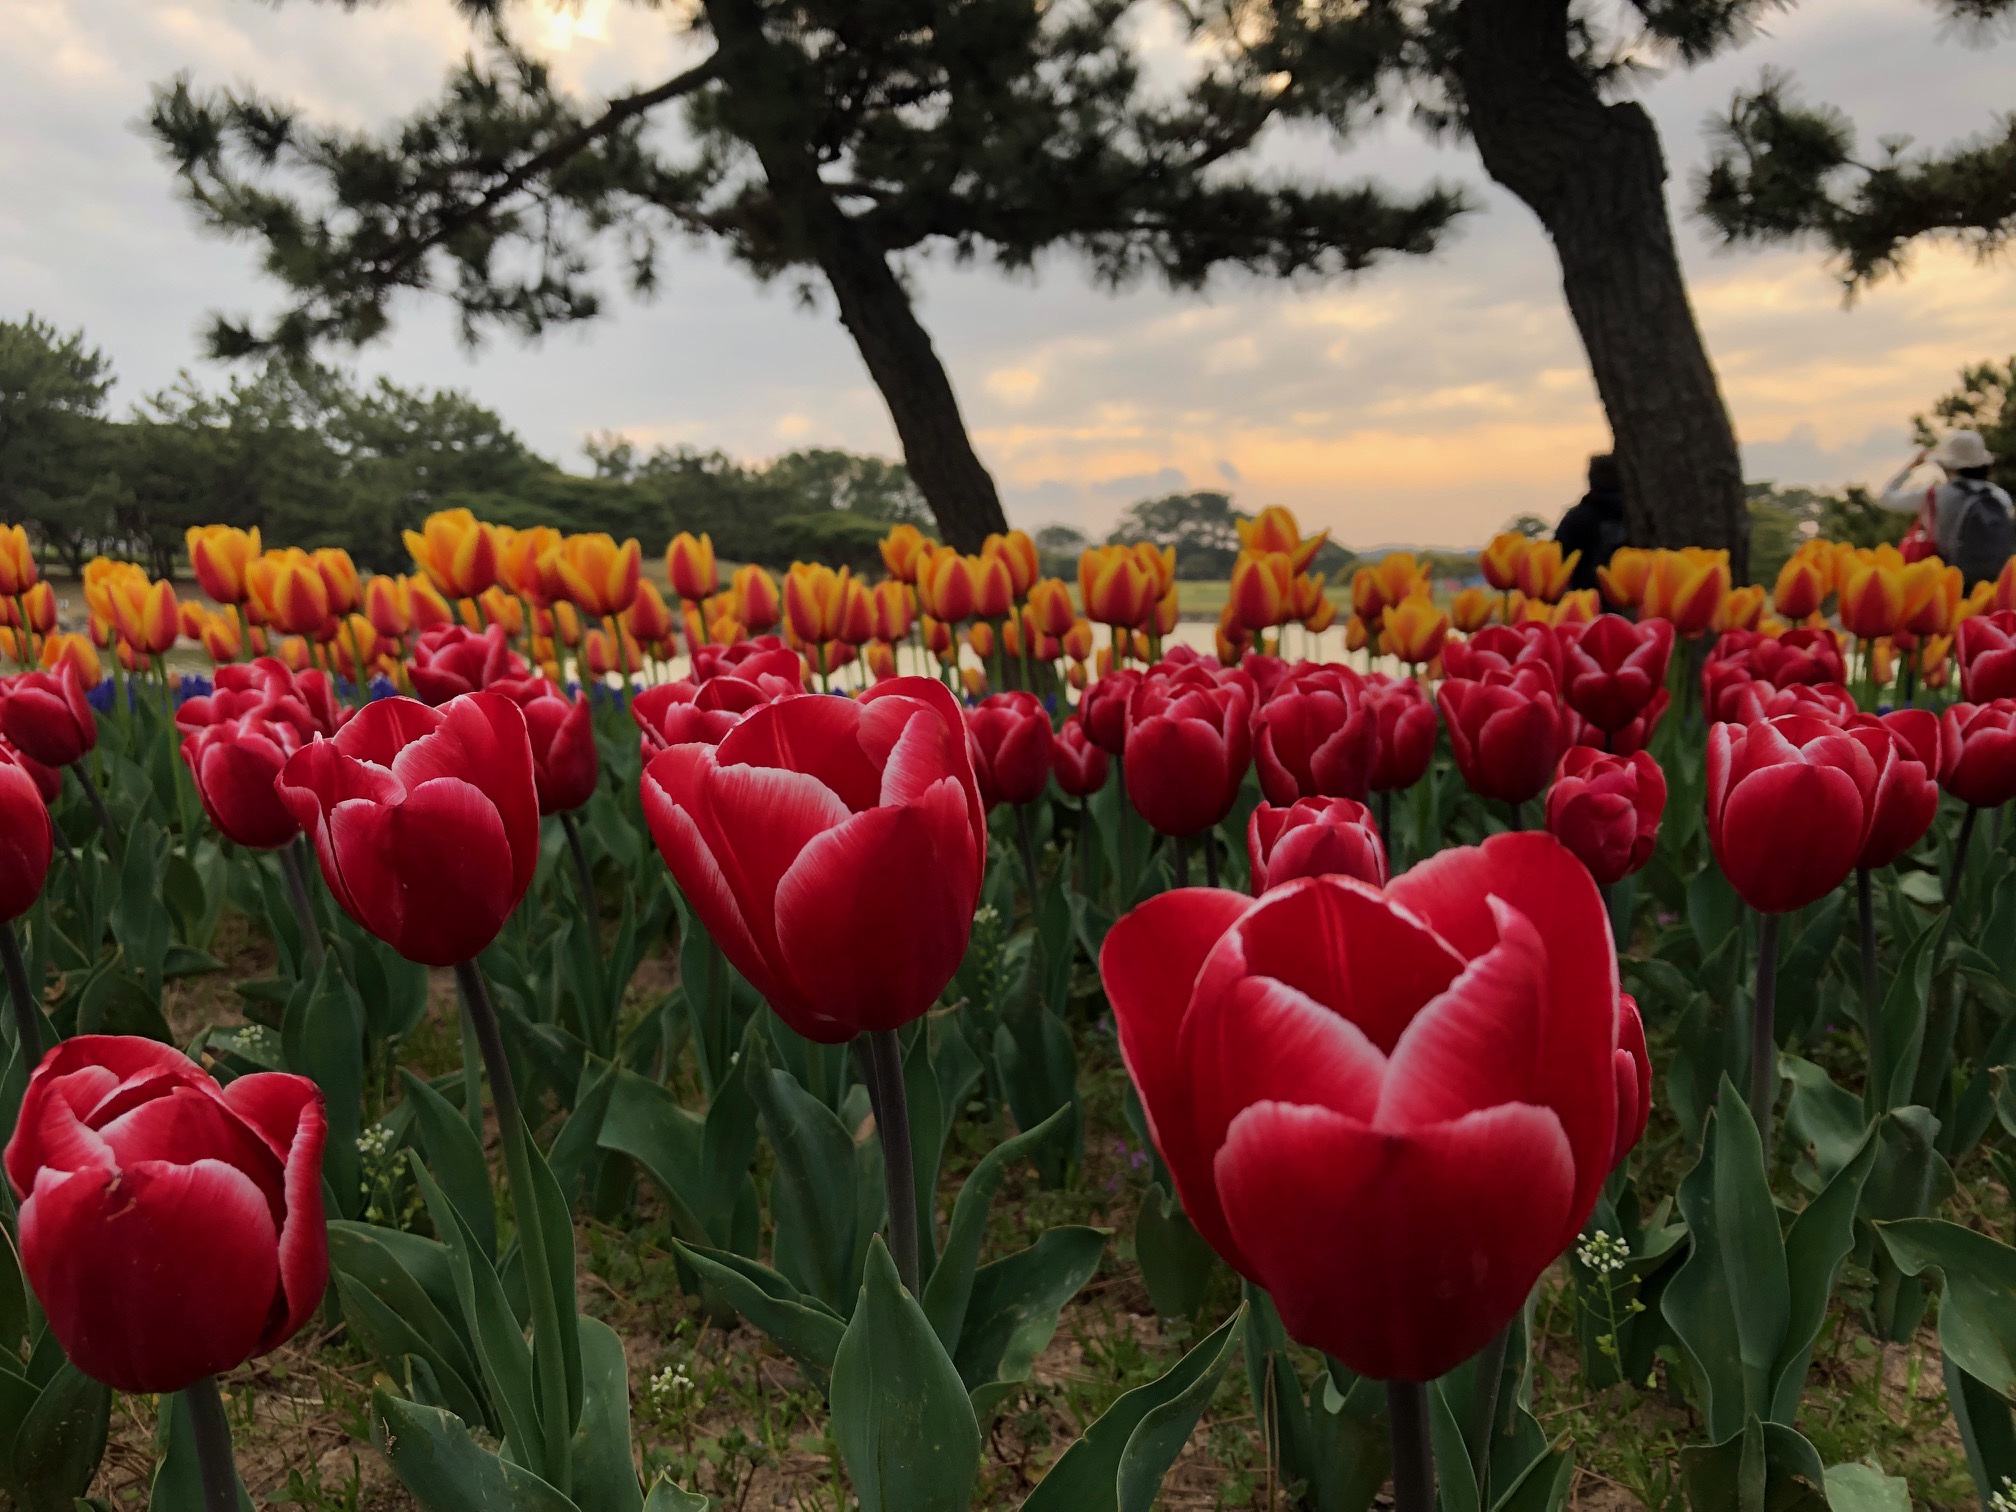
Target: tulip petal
1789	833
809	737
1401	1254
286	1111
757	821
379	731
836	904
188	1126
153	1276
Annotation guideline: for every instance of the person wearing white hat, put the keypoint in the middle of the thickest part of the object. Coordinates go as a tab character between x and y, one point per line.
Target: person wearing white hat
1968	520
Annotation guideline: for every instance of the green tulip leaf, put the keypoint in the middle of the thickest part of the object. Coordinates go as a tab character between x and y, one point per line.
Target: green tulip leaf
803	1327
1864	1488
448	1471
1119	1462
1763	1467
394	1318
178	1475
455	1157
1987	1426
1013	1310
1330	1435
949	1291
1977	1310
901	1415
60	1441
819	1198
575	1150
1177	1266
604	1478
666	1497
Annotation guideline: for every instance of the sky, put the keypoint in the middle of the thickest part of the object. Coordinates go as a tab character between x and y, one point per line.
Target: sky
1424	403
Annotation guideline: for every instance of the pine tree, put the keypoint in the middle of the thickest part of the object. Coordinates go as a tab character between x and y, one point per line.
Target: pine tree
822	139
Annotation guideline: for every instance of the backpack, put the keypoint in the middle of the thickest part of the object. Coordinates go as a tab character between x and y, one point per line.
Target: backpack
1986	533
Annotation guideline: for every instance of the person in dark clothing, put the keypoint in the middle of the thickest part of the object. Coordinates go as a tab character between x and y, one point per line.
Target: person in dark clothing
1594	524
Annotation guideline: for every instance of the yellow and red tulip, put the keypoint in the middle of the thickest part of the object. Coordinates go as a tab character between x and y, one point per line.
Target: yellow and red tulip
1472	609
1623	578
457	551
1544	571
1500	560
593	573
903	551
689	566
219	555
1276	529
1414	629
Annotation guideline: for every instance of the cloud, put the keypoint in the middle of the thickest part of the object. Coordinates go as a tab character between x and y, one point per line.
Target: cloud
1429	401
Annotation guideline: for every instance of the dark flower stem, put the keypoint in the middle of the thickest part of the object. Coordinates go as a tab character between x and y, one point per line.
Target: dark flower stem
539	1264
1763	1033
892	1122
1960	844
1413	1452
105	829
1484	1412
1182	862
304	910
1876	1094
1518	815
1210	858
1386	828
584	874
1026	838
27	1016
212	1432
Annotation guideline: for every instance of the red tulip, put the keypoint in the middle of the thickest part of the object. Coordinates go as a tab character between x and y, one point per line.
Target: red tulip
834	848
1315	837
1103	708
44	715
171	1228
26	839
1986	646
1317	737
450	660
426	820
1406	731
1606	809
1614	669
1391	1110
1977	752
1188	744
1505	731
235	764
1803	655
302	701
1081	766
1633	737
565	765
1788	806
1267	672
1905	747
1500	648
48	779
1010	738
702	710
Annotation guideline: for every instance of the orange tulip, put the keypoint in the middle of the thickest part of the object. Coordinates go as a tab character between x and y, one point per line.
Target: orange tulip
980	636
1577	607
1356	635
689	566
1398	575
727	630
1980	598
519	553
1931	597
1076	642
602	655
895	609
1623	579
1232	641
856	623
1500	560
1367	603
903	551
1933	653
1871	595
1321	617
294	653
290	591
1019	553
938	636
1802	586
1414	629
757	601
593	573
220	638
1883	661
146	614
993	586
1686	587
1275	529
500	607
1114	588
946	586
1167	611
356	643
1740	609
388	604
78	651
1159	562
429	607
339	575
1544	572
38	605
219	555
1472	610
1305	594
1263	590
815	598
1050	602
102	576
881	656
17	562
647	618
457	551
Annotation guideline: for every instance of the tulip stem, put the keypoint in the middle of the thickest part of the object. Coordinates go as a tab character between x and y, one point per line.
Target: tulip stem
1484	1404
1876	1093
1518	818
892	1122
212	1432
1413	1451
1763	1033
1386	828
583	873
97	801
1210	858
27	1015
1960	844
1182	862
304	910
1027	839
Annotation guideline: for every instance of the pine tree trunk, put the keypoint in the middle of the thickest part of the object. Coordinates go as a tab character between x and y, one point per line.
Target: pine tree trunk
1594	175
874	305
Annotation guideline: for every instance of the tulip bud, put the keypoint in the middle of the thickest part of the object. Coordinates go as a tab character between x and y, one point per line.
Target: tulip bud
1606	810
1315	837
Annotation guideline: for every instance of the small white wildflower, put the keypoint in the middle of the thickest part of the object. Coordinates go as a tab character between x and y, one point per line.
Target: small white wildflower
1606	1255
669	1383
2005	1499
